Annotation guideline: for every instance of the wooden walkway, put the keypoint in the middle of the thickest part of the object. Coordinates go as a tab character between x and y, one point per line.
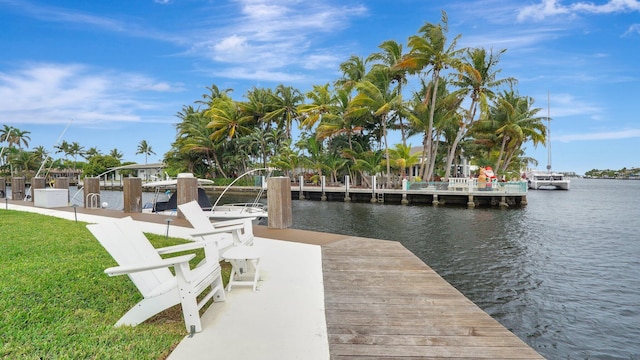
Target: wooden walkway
382	301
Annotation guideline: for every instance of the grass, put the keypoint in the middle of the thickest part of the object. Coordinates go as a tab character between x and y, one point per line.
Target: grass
57	303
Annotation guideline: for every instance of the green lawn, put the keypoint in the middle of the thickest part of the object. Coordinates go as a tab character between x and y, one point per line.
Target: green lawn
57	303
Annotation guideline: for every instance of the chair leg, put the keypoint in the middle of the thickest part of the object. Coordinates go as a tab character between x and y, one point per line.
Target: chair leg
148	307
218	287
242	268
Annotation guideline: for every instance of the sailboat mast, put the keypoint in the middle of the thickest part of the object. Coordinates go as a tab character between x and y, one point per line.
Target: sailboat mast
548	132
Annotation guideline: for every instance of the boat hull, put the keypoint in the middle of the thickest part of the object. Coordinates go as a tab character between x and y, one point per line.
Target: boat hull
548	181
238	211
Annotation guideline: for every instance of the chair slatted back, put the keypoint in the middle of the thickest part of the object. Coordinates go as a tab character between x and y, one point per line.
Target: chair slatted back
128	245
196	216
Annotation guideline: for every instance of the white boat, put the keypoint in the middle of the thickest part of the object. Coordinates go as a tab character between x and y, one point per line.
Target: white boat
539	180
255	209
165	200
239	211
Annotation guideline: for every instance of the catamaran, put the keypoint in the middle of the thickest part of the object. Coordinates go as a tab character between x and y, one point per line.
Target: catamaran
538	179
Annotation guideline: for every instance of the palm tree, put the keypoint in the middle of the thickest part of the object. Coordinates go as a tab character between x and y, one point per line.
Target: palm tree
193	143
377	99
315	155
285	103
334	163
40	153
22	161
227	120
93	151
14	136
5	133
369	163
286	159
76	150
403	158
339	120
115	153
353	70
477	79
515	123
260	103
214	94
145	148
430	50
390	60
64	147
322	101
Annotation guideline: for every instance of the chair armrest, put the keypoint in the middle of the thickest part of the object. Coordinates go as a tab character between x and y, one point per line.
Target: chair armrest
227	229
218	224
164	263
179	248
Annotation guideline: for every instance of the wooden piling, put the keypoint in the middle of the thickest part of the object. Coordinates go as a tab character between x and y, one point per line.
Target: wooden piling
279	203
91	193
17	188
62	183
187	190
132	192
3	187
37	183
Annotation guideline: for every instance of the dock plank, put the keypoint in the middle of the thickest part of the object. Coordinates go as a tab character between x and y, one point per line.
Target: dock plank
382	301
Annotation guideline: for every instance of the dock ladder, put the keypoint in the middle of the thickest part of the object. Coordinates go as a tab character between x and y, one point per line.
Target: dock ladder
93	201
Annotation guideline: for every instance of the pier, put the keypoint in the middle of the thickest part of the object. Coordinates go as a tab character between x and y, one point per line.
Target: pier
510	194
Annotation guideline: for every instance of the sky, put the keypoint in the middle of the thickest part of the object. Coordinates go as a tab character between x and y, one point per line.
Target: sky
109	74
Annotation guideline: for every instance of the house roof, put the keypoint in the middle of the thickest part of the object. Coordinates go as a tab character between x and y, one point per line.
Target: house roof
156	166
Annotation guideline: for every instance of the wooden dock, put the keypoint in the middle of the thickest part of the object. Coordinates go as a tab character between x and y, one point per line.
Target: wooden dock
382	301
506	196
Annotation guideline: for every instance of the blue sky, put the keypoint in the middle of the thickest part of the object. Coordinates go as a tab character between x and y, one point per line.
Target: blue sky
117	72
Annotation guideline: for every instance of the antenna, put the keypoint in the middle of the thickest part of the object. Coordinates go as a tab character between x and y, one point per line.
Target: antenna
548	132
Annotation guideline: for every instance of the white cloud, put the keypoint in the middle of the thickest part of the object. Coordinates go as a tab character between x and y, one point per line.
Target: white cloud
273	37
55	93
264	37
605	135
550	8
633	29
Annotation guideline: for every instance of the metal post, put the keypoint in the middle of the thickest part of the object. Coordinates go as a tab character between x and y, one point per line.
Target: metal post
168	220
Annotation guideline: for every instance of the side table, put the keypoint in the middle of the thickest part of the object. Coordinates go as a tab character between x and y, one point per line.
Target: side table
245	265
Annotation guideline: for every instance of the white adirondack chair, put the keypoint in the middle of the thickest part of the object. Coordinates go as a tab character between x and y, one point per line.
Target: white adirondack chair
226	233
138	259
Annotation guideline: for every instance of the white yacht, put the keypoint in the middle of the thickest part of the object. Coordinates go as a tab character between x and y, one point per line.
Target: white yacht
547	179
538	180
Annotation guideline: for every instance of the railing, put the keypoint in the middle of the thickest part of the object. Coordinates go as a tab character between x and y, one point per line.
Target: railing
467	185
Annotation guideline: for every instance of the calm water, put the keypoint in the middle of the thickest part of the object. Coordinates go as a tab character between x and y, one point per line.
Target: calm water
563	273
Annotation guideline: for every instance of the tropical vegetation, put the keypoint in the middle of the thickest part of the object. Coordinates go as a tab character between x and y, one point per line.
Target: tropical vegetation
451	101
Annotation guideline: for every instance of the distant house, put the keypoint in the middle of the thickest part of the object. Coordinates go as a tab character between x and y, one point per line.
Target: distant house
147	172
72	174
463	169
